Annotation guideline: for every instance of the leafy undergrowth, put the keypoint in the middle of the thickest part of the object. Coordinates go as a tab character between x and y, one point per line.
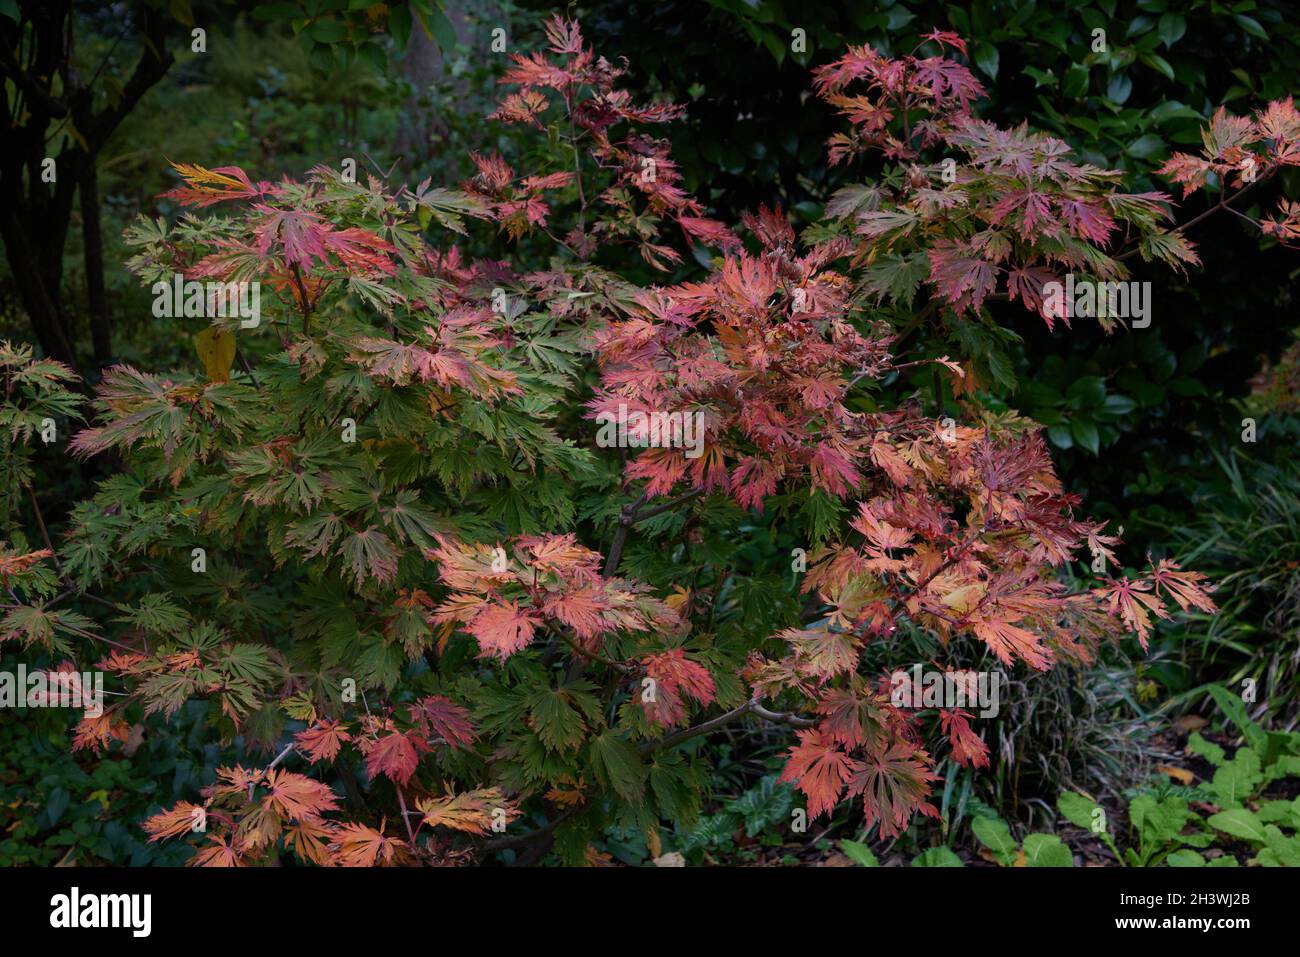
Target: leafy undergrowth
1230	798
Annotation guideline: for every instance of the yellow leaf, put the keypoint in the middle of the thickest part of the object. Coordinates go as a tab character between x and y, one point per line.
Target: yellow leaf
677	601
204	179
963	598
1181	775
652	842
217	352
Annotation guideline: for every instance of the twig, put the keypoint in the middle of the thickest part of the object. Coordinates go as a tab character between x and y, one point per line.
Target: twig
749	707
514	840
281	756
40	521
406	815
594	656
625	523
641	516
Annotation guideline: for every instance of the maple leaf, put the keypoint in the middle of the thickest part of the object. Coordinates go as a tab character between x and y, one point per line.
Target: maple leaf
225	851
310	839
370	554
894	782
439	717
1135	601
947	79
560	554
467	567
474	812
852	718
1009	642
945	38
206	187
823	653
1190	172
820	768
711	232
503	629
1226	133
392	755
964	280
17	564
884	455
296	796
754	480
968	748
357	845
96	732
174	822
563	35
581	609
1087	220
322	740
535	70
831	470
675	677
856	62
1184	587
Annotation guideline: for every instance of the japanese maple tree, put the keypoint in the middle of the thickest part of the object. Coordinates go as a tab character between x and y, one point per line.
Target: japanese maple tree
377	535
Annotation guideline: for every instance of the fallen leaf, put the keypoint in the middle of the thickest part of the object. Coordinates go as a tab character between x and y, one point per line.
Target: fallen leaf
1189	723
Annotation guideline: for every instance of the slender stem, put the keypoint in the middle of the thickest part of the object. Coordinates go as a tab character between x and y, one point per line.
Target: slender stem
625	522
515	840
727	717
280	757
406	815
641	516
594	656
40	521
302	296
1223	203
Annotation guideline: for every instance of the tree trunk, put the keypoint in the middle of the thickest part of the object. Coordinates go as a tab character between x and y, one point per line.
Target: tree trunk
94	251
49	323
35	214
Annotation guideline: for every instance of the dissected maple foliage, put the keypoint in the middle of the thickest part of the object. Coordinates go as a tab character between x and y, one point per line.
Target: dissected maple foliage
412	539
1240	152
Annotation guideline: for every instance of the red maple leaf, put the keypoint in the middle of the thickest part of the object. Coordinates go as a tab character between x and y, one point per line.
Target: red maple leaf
821	769
968	748
439	717
675	676
322	740
392	755
503	629
894	782
295	796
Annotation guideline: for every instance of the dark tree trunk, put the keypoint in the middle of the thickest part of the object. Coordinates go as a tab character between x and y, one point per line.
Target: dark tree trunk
35	214
94	251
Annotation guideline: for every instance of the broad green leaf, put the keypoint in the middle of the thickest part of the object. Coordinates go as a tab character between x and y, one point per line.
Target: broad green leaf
1240	823
1171	28
859	853
1046	850
937	857
1079	810
994	834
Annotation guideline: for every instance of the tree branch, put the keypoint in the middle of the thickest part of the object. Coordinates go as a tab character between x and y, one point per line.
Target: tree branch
749	707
